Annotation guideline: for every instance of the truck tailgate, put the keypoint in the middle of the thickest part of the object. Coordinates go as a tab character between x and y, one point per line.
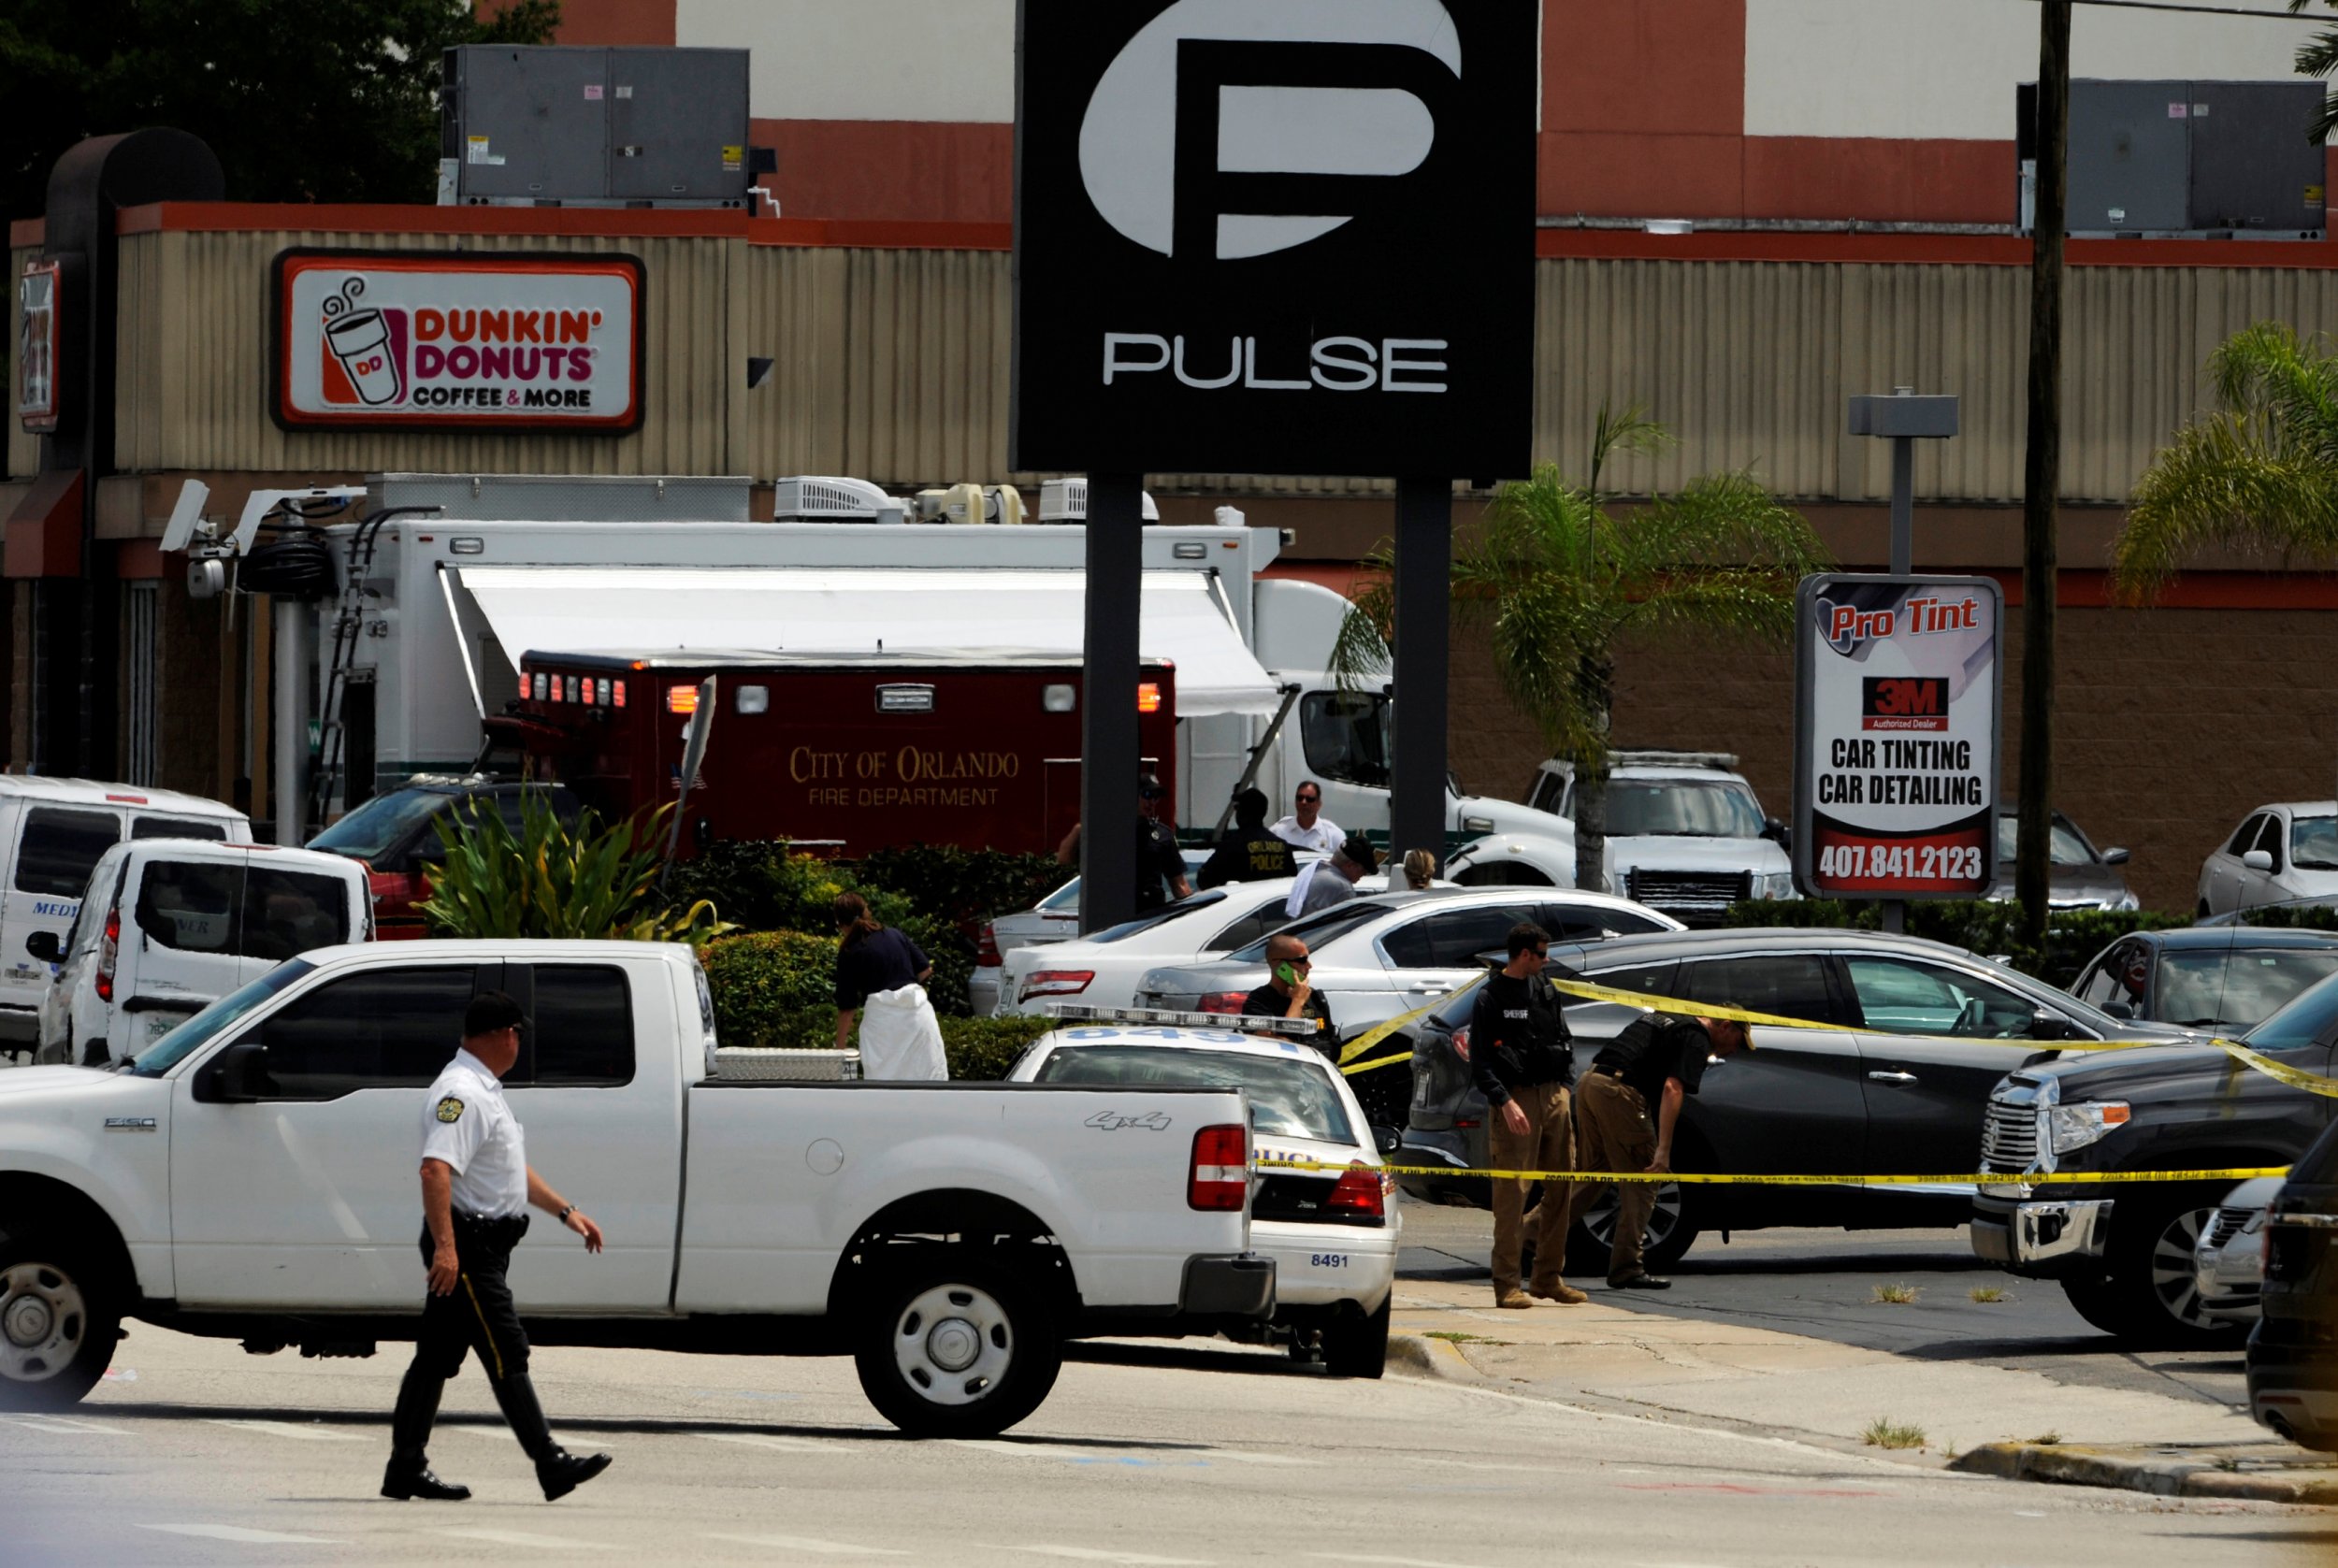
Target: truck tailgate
780	1177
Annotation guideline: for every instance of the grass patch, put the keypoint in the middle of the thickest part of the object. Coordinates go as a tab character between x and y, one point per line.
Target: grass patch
1884	1433
1449	1337
1986	1295
2047	1439
1895	1295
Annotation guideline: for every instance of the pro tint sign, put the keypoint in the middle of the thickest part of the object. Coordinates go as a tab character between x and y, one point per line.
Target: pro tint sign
1896	722
421	341
1275	237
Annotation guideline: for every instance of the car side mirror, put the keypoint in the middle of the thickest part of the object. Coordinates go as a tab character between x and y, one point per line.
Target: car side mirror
2117	1009
234	1076
2050	1025
2257	860
1773	829
45	946
2114	858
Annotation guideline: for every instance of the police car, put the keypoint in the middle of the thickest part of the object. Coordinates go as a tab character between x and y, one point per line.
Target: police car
1332	1231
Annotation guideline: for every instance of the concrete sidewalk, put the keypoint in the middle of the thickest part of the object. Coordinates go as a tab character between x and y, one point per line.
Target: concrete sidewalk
1758	1380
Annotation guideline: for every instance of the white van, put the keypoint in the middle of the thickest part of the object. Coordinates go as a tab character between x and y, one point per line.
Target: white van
52	832
172	925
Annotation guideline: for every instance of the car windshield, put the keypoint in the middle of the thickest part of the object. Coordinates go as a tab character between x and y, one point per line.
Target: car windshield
2215	991
2308	1018
2069	848
1318	929
2314	843
1687	808
199	1031
1290	1098
1159	918
379	826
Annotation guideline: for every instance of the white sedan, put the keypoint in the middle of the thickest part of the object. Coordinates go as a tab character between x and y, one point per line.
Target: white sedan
2280	855
1332	1233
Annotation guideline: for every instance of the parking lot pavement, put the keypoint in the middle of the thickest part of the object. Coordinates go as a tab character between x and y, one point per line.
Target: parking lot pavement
1822	1284
1155	1456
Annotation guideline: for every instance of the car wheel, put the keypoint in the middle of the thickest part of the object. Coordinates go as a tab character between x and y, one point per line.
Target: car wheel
955	1347
1671	1231
1358	1347
59	1322
2203	912
2150	1295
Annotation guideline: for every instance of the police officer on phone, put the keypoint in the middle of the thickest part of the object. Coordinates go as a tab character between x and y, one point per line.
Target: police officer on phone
476	1188
1287	993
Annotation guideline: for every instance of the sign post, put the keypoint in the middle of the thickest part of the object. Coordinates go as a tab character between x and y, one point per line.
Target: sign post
1285	239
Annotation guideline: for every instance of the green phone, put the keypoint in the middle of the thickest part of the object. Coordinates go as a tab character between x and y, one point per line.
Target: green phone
1286	974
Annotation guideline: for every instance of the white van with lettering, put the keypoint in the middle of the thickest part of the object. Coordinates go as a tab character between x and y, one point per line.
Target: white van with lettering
172	925
52	832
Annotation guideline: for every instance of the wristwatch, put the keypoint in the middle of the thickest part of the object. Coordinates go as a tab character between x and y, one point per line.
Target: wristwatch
565	1212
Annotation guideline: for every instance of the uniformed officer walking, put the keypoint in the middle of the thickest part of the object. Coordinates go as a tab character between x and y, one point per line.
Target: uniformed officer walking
476	1188
1520	1057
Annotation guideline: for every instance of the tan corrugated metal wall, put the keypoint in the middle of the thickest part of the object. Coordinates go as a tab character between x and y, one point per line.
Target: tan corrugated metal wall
893	364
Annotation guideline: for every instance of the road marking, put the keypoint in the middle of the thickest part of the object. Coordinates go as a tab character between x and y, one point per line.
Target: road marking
250	1537
756	1440
291	1430
1081	1453
1392	1561
806	1544
523	1538
1133	1559
59	1424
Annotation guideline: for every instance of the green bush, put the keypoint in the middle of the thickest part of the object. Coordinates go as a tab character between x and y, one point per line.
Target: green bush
2305	917
1985	926
986	1047
768	887
766	983
552	880
962	887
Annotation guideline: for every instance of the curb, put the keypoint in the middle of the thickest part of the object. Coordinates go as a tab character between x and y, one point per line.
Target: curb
2161	1477
1423	1356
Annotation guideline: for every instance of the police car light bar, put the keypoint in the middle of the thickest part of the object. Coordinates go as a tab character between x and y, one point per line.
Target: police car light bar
1293	1028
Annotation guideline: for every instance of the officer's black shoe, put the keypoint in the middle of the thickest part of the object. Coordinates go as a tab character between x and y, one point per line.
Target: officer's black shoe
561	1472
1640	1282
401	1482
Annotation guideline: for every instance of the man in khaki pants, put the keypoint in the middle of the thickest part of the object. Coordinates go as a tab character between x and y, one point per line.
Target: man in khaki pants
1658	1060
1522	1060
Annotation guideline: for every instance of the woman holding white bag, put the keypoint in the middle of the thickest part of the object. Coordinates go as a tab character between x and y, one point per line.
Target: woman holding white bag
880	976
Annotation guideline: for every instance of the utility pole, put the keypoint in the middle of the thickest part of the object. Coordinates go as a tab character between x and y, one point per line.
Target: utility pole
2041	477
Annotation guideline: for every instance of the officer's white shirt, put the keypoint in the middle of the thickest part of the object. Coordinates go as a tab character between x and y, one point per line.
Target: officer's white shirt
1325	835
467	1123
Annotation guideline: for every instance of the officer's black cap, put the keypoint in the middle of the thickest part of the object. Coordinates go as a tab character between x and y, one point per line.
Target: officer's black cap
488	1012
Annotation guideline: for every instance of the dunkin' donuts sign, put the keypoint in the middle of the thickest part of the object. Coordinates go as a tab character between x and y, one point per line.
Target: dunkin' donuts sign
422	341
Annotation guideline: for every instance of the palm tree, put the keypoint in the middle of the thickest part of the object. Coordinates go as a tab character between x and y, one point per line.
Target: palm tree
2259	473
1561	579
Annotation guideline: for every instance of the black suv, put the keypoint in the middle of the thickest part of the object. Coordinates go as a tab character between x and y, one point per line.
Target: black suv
2115	1248
1919	1033
2294	1353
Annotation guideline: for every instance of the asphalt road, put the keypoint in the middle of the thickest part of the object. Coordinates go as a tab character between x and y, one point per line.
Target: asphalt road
1151	1456
1822	1284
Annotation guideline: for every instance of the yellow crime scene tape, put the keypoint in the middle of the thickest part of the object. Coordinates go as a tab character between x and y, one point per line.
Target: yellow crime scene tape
2296	1078
1959	1178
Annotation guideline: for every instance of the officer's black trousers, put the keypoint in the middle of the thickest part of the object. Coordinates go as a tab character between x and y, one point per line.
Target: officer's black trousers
478	1315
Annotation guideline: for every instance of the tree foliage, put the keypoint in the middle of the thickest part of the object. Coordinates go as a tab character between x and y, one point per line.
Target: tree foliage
2259	473
2318	58
302	100
1559	577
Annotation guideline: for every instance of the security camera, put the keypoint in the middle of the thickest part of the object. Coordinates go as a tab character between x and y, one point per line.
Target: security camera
206	579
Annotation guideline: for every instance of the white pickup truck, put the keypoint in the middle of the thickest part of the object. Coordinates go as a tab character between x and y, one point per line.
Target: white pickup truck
251	1175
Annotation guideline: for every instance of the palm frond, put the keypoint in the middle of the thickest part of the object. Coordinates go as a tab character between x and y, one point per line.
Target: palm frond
1629	431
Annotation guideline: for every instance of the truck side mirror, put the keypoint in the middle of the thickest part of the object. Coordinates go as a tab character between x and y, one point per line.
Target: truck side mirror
1777	832
45	946
234	1076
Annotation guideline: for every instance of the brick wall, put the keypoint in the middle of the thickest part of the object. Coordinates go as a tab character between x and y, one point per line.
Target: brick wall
2172	724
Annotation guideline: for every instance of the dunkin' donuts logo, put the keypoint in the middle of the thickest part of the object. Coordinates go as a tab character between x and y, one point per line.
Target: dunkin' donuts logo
485	340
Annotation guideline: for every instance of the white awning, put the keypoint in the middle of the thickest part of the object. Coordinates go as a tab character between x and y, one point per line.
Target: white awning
579	610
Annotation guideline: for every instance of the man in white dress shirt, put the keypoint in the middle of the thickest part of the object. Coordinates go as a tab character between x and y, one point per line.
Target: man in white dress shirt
1307	828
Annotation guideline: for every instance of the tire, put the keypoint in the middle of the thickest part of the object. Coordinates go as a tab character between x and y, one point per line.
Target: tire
1672	1229
59	1322
2148	1296
956	1346
1358	1347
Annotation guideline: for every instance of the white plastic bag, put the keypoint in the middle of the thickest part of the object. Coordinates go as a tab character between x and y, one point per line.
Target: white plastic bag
899	1036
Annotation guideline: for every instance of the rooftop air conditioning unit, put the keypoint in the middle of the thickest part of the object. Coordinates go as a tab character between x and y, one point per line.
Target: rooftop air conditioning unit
1065	500
821	498
971	503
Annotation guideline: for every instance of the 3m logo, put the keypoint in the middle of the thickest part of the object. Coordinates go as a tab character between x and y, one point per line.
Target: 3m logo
1903	702
1237	128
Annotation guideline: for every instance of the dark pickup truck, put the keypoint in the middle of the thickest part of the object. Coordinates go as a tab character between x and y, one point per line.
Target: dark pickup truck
1911	1038
2122	1252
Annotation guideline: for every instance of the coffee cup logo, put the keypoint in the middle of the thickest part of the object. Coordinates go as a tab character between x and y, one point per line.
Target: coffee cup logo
360	340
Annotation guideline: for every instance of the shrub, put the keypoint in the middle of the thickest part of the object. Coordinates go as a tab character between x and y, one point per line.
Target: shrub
2308	917
768	888
988	1047
768	984
962	887
550	880
1985	926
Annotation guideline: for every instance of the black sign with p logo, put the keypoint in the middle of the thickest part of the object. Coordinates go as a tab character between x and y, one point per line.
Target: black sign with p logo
1275	237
